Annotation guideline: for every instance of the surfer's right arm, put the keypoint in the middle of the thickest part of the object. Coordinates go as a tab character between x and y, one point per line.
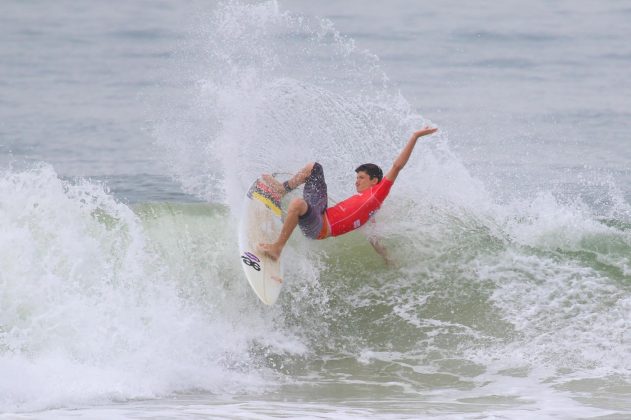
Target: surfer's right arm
405	154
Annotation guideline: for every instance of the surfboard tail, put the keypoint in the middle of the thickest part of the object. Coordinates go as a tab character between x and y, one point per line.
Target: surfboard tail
265	194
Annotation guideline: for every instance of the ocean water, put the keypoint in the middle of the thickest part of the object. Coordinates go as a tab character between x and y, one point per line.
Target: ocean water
129	132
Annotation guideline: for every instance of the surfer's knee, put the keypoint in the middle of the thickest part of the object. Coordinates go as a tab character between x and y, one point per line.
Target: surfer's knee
306	170
298	205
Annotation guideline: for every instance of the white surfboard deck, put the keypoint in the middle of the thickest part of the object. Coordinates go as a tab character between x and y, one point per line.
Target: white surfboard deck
261	221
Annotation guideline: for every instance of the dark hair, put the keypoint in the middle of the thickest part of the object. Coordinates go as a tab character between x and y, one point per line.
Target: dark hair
372	170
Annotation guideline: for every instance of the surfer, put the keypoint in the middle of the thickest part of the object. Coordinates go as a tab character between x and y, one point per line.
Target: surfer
319	222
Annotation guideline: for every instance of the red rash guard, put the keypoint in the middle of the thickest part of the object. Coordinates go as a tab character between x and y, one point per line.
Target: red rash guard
353	212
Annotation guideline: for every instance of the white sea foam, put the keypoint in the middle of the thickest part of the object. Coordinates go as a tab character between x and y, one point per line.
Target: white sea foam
98	306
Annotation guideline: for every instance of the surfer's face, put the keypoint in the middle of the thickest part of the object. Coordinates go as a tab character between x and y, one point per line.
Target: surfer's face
363	181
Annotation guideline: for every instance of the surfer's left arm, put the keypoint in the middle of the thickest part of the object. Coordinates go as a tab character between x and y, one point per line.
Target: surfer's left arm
381	250
404	156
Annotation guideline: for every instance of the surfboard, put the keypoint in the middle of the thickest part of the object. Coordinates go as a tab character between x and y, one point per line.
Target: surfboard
261	221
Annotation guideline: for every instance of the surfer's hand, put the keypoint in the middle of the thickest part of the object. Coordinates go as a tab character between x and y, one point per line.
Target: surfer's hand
381	250
425	131
389	262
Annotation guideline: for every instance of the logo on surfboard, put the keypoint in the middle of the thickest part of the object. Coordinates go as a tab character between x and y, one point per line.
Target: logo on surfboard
251	260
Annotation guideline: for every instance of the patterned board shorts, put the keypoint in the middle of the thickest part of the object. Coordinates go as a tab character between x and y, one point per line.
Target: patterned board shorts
315	194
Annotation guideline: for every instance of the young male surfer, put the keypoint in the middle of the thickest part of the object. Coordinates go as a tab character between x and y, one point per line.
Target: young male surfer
311	213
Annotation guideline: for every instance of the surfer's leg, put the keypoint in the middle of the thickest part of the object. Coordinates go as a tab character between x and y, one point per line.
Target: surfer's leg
306	211
297	208
315	194
292	183
300	177
315	191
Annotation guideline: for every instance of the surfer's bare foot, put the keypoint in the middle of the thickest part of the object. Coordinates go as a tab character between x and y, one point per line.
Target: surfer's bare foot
271	250
275	184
